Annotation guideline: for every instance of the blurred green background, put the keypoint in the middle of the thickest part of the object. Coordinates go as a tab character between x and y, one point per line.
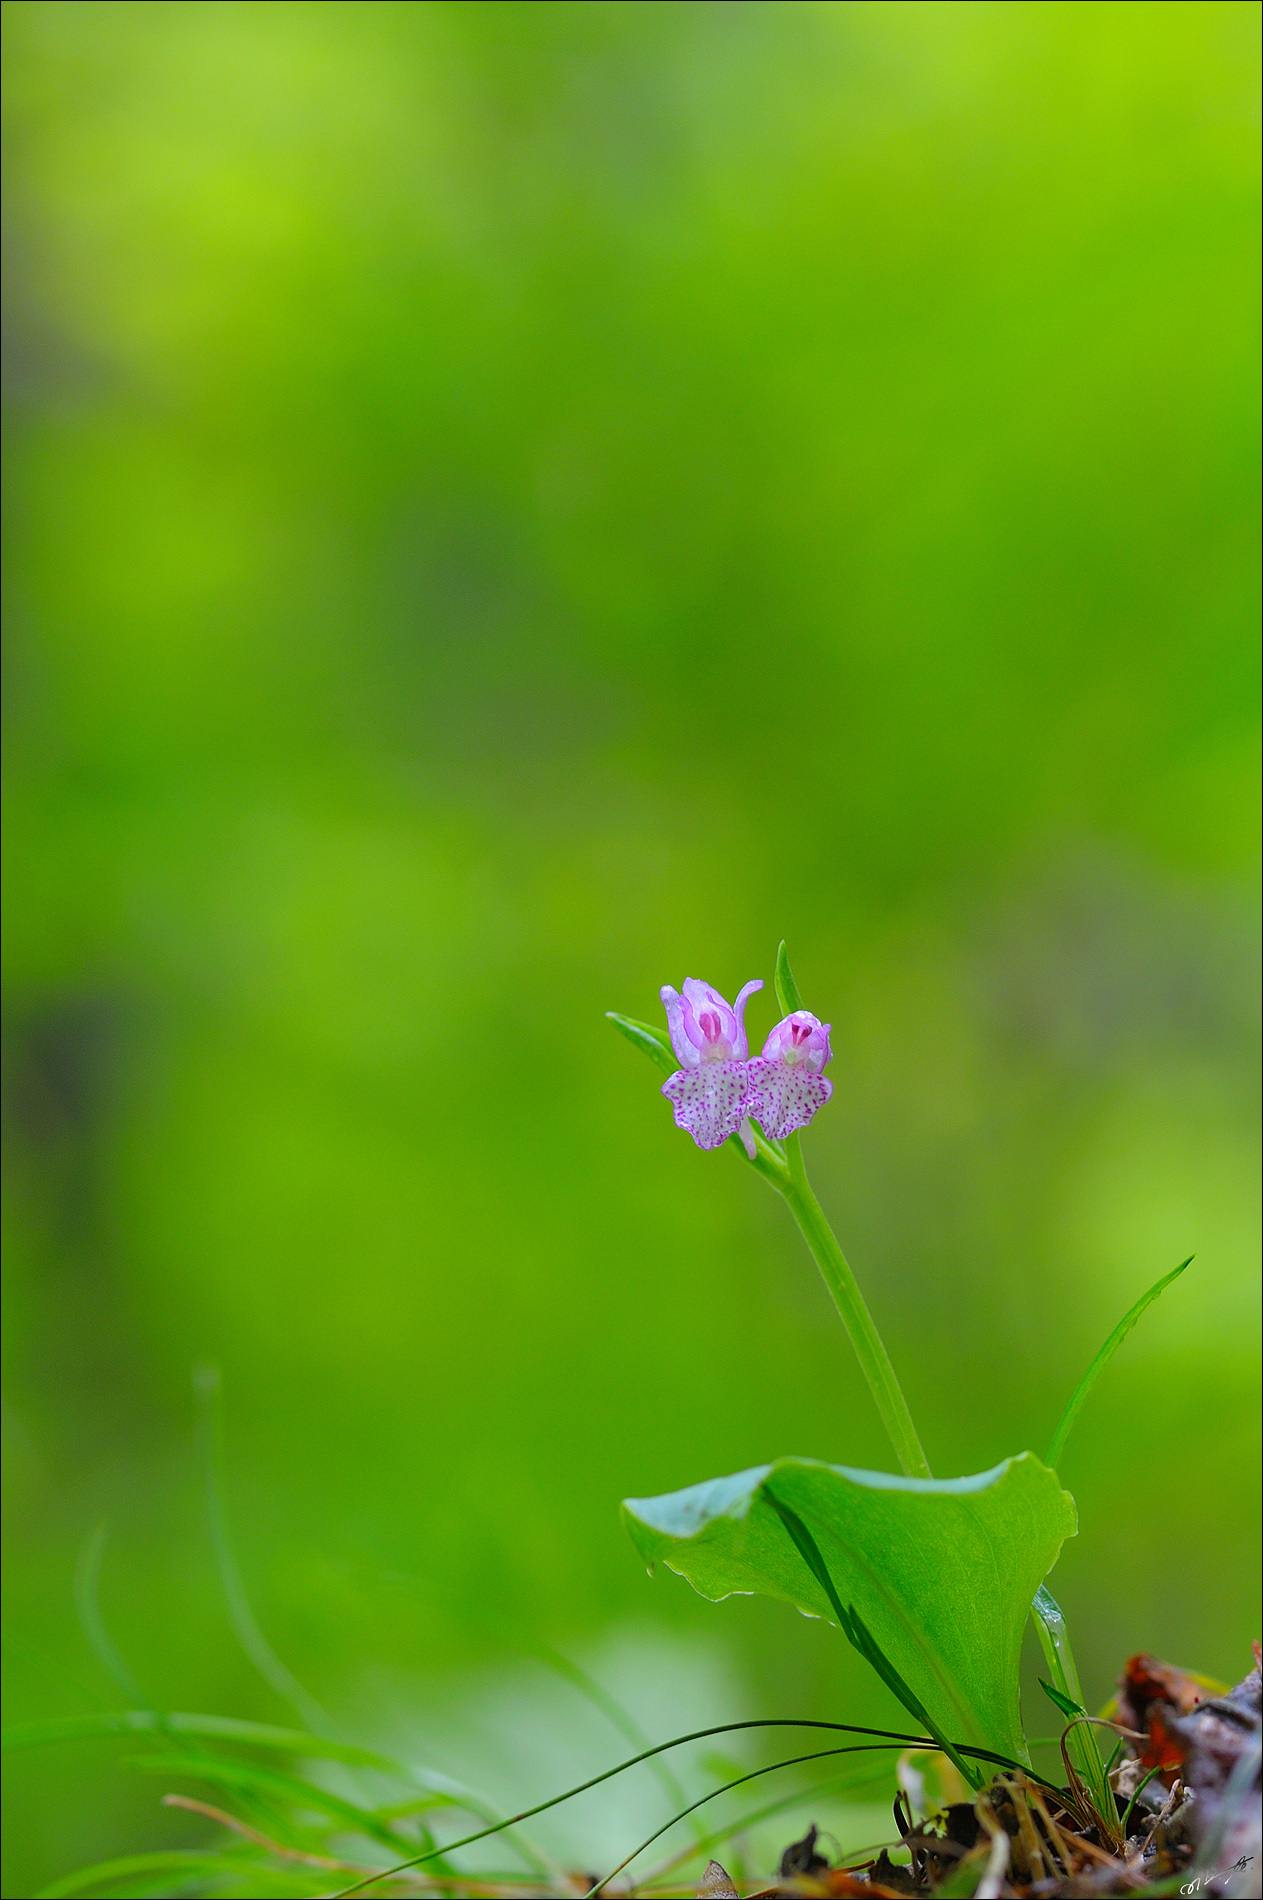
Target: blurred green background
511	505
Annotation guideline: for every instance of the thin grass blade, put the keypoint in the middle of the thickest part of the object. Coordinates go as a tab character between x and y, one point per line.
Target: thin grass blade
834	1785
420	1804
274	1788
792	1761
208	1386
1103	1358
88	1605
1131	1805
886	1737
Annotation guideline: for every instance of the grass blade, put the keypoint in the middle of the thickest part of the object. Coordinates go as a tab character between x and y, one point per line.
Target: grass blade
1140	1788
1066	1695
236	1825
835	1785
88	1604
1050	1626
792	1761
886	1736
286	1790
224	1728
208	1386
1103	1358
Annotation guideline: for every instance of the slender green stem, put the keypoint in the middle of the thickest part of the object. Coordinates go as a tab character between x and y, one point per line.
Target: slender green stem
781	1165
842	1284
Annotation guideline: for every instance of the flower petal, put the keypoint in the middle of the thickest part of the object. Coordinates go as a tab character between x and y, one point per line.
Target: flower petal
741	1048
782	1098
709	1101
705	996
686	1038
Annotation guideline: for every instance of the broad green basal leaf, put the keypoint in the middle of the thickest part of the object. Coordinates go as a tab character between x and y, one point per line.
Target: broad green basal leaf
941	1571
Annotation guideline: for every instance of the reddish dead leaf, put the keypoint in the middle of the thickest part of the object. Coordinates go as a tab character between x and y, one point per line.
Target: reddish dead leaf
1164	1749
1146	1680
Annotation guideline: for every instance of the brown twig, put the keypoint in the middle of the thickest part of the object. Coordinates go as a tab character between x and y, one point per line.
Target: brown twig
1091	1851
252	1834
1032	1846
437	1882
1056	1839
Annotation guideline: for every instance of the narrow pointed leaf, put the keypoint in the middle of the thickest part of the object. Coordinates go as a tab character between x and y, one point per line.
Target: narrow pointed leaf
1064	1691
861	1638
786	989
940	1572
655	1043
1103	1358
1050	1626
1065	1703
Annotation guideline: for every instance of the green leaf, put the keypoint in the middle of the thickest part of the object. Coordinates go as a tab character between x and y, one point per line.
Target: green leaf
1128	1811
940	1572
1064	1691
1050	1626
655	1043
1103	1358
786	989
1065	1703
861	1638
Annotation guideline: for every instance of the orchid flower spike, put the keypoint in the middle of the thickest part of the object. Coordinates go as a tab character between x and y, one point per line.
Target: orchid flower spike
785	1082
708	1092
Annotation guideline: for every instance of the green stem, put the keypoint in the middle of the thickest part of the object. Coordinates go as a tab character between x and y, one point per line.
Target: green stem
842	1284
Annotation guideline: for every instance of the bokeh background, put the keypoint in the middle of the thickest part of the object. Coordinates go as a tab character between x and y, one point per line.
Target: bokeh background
511	505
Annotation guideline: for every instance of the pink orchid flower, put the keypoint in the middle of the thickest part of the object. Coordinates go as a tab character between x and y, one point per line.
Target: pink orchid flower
786	1086
708	1092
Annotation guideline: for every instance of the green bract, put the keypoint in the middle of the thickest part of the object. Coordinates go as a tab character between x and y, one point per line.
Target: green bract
941	1571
